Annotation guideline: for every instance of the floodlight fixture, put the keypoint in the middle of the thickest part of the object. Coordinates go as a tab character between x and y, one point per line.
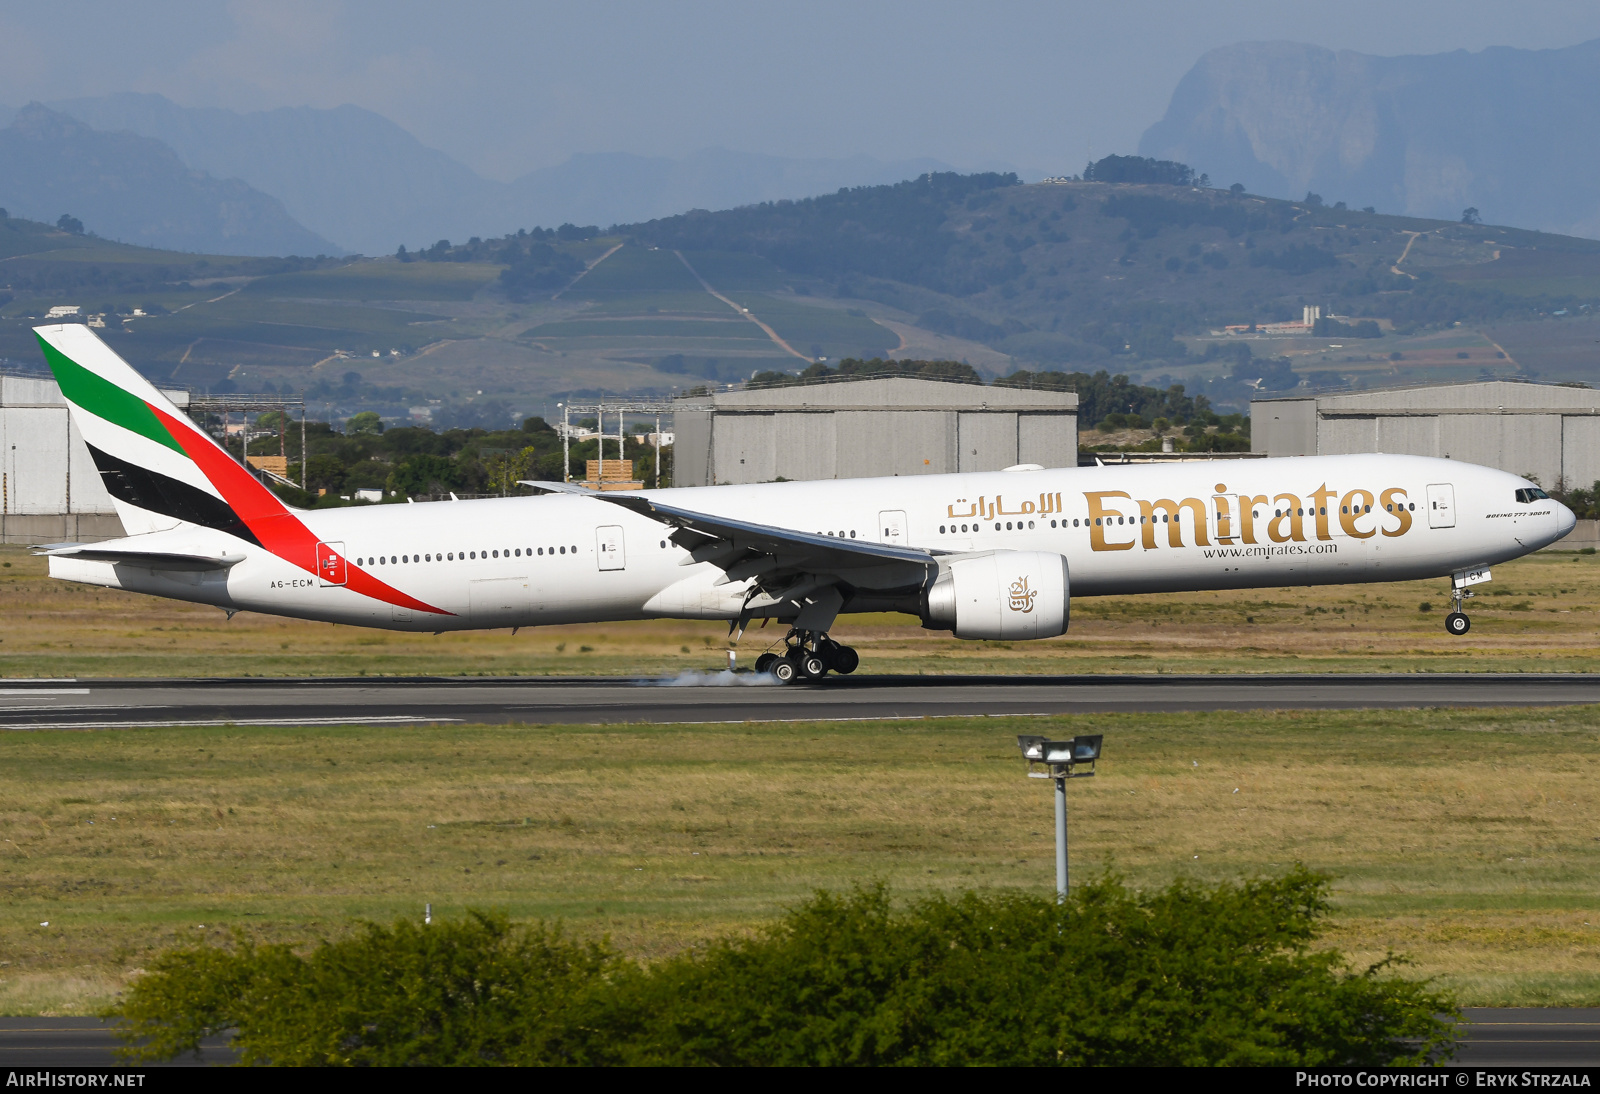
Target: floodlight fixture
1060	760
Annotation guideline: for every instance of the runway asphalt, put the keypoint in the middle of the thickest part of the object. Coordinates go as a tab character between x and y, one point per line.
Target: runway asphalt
1491	1037
722	697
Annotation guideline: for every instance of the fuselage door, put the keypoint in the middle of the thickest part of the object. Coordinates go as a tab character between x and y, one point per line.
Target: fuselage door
331	564
608	547
1225	524
1441	505
892	524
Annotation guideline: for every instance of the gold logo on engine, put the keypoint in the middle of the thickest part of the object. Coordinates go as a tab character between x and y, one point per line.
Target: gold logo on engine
1022	596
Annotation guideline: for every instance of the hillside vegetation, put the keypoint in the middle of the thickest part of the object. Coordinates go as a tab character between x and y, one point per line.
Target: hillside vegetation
1135	279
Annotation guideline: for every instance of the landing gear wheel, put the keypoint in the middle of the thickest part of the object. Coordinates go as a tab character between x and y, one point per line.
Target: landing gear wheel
845	660
764	662
813	667
1457	624
783	670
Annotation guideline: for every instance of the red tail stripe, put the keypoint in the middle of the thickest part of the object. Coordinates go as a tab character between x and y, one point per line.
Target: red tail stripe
278	529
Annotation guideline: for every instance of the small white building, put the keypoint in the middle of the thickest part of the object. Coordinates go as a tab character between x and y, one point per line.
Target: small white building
63	311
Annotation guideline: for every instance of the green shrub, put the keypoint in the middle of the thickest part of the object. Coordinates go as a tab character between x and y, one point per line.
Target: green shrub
1184	975
473	991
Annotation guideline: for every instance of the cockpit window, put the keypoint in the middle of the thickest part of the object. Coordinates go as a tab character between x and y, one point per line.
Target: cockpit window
1531	493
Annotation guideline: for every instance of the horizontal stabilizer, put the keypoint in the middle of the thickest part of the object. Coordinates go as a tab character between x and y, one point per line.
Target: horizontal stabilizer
152	560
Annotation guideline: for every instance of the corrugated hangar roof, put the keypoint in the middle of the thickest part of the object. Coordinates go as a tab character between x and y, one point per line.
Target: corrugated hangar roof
1485	396
898	393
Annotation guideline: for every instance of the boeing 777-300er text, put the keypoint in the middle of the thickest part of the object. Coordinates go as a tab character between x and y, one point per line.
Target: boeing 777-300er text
991	555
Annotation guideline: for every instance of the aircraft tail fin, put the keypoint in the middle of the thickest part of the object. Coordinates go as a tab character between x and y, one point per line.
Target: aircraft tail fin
159	467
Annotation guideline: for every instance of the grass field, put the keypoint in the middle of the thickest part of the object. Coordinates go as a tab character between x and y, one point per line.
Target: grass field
380	281
1465	839
635	269
1468	839
823	332
727	271
1539	613
650	326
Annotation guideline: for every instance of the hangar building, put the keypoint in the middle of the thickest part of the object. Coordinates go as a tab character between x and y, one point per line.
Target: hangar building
1548	432
859	428
50	490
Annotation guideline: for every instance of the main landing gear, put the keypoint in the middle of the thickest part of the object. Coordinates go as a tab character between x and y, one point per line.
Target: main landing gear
1456	622
808	655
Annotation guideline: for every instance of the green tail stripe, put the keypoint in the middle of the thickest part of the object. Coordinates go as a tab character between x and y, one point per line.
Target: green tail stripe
106	400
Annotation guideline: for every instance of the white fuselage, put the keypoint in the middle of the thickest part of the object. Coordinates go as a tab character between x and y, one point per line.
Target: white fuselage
1122	529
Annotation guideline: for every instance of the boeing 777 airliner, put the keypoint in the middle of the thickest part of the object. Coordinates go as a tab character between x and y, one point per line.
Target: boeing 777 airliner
992	555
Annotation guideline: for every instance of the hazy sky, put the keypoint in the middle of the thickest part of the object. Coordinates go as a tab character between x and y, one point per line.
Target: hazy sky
509	87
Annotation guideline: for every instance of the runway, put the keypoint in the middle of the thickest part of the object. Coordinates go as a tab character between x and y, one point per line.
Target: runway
724	697
1490	1037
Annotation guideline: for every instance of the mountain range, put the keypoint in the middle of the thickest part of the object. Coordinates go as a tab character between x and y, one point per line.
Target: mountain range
1509	132
137	190
356	178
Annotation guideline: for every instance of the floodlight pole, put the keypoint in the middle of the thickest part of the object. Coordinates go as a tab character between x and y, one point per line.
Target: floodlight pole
1061	839
1061	761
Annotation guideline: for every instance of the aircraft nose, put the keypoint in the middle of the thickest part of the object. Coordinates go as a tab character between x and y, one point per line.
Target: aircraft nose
1565	520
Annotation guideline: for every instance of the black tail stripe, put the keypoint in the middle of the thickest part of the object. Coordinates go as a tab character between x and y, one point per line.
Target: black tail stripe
166	495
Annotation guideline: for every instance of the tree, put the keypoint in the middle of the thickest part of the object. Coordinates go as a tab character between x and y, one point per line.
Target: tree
504	470
1469	215
1237	189
1140	169
422	474
1313	200
367	421
68	223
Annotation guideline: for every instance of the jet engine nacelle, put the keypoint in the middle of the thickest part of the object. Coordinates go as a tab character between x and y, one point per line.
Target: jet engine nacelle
1003	595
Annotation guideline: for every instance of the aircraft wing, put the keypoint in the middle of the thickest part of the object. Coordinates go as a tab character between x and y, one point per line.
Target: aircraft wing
154	560
793	549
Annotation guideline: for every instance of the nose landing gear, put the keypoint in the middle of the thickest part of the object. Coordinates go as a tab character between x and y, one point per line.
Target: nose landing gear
1456	622
808	655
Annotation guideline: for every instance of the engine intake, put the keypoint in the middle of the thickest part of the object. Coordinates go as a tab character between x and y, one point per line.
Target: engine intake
1003	595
